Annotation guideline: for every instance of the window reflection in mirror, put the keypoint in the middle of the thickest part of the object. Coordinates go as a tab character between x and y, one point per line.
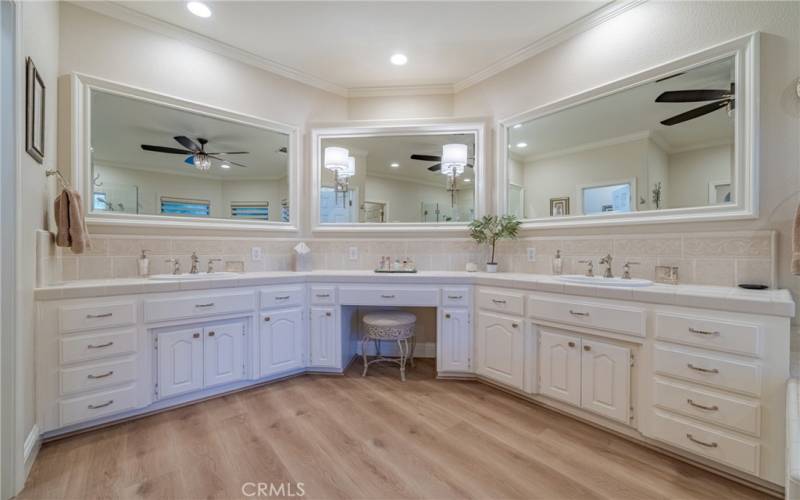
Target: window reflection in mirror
664	144
158	160
397	179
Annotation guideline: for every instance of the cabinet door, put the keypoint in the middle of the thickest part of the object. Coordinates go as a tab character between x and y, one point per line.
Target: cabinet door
325	340
501	349
560	366
180	362
454	343
605	374
224	353
281	342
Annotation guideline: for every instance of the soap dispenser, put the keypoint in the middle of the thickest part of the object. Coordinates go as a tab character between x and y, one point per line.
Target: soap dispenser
144	264
557	263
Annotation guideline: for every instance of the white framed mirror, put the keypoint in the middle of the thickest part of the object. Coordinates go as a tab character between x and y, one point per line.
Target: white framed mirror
141	158
397	176
675	142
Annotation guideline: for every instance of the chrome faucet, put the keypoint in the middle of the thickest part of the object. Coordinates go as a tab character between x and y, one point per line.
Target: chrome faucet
589	267
176	265
211	265
606	261
195	262
626	269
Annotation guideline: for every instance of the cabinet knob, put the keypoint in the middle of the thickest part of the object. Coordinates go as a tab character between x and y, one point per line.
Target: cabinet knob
266	318
210	334
587	348
447	316
328	313
571	344
514	325
196	336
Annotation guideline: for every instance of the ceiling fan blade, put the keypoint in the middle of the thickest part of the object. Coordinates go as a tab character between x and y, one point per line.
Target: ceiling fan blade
693	95
668	77
189	160
188	143
435	168
426	157
231	153
227	161
696	112
162	149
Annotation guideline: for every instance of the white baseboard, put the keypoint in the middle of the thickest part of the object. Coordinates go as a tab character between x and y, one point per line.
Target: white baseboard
31	447
422	350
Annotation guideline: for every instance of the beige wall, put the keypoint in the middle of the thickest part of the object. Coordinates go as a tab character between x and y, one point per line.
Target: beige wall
379	108
691	172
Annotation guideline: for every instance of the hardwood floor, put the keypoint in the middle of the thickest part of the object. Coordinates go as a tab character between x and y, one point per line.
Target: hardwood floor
370	438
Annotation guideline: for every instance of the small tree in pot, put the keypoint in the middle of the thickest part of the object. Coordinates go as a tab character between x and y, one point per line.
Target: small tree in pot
490	229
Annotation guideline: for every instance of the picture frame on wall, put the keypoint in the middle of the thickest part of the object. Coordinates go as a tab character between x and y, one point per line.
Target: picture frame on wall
34	111
559	207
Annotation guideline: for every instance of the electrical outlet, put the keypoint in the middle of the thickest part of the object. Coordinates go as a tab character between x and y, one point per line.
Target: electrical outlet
255	254
352	253
532	254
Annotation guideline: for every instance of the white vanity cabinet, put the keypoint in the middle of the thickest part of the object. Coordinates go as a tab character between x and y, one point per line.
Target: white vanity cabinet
560	366
281	342
324	338
454	342
500	348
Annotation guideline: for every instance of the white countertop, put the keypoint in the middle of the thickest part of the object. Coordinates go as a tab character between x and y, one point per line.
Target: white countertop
772	302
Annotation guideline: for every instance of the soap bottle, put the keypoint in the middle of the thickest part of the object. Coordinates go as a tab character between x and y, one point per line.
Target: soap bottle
557	263
144	264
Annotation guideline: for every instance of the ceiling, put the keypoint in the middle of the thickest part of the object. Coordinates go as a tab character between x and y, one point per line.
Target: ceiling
633	112
120	125
348	44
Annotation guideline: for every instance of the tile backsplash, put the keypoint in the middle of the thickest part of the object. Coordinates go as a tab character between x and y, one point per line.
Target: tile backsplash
703	258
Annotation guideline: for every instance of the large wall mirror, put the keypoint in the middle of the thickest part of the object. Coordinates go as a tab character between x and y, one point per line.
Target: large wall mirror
151	159
390	177
673	142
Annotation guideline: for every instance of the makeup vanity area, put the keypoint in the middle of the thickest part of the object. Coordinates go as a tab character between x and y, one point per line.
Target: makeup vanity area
696	371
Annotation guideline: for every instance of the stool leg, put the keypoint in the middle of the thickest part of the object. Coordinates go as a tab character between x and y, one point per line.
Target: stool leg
413	348
364	345
377	348
403	354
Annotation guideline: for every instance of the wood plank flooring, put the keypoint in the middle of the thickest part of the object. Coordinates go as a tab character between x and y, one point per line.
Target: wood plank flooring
365	438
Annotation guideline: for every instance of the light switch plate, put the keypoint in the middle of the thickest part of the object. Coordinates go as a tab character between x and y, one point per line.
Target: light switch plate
352	253
255	254
531	254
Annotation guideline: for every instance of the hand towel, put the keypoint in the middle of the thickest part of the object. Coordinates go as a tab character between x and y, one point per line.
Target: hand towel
796	243
71	225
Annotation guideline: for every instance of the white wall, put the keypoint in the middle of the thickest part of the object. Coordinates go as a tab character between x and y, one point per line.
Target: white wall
691	172
404	199
380	108
657	32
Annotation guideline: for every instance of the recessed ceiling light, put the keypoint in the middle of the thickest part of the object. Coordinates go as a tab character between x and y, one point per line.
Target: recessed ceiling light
399	59
518	125
522	144
199	9
225	166
394	165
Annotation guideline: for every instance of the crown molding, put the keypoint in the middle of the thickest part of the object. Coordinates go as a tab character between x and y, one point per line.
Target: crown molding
125	14
597	17
408	90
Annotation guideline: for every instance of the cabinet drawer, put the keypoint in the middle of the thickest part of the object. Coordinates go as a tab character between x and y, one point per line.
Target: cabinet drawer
81	409
720	446
455	297
89	317
389	296
323	295
282	296
96	376
501	301
198	305
623	319
733	375
96	346
713	407
725	336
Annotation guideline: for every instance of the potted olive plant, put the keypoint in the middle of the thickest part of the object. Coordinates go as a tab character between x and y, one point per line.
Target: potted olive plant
490	229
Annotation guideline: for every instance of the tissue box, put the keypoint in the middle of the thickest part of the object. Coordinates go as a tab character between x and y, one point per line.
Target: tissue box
302	262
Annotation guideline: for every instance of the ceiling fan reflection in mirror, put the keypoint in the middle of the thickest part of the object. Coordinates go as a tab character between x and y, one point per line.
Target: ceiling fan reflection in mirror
198	156
436	167
721	98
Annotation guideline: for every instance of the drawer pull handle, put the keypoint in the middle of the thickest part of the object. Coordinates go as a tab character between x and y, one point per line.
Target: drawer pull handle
210	304
704	370
514	325
701	443
703	332
266	318
211	334
387	296
578	313
101	405
702	407
571	344
323	295
104	375
100	346
587	348
328	313
285	297
96	316
498	301
195	335
455	297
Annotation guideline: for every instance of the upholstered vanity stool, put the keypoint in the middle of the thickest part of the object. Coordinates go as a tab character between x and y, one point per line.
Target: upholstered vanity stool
393	326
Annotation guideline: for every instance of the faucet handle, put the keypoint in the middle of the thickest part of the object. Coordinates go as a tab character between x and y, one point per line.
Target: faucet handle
211	265
195	258
176	265
626	269
589	268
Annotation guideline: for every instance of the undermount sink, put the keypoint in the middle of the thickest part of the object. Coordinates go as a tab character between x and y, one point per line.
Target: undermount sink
601	281
189	276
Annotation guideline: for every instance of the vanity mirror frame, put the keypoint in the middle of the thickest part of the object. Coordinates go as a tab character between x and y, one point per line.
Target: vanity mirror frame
394	128
745	52
81	87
